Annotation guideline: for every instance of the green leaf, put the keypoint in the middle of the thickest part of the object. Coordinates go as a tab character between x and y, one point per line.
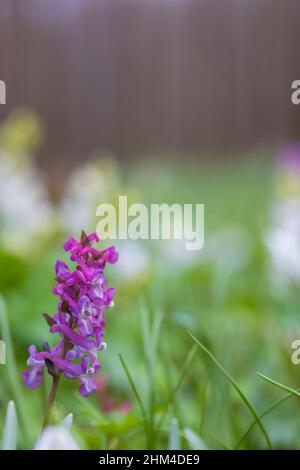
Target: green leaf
11	369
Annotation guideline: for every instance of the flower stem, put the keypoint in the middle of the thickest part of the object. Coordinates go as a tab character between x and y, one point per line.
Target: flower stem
51	400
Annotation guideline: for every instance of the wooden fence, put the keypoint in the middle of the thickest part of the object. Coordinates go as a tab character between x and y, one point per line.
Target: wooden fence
138	76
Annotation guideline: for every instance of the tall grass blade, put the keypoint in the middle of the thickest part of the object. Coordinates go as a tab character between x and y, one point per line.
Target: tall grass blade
137	396
264	413
279	385
237	388
134	389
11	368
177	386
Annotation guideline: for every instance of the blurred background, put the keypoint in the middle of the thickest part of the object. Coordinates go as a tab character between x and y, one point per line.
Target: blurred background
183	101
140	76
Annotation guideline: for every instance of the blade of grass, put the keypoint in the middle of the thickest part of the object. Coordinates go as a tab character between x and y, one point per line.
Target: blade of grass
279	385
150	340
177	386
237	388
203	405
145	328
136	394
11	368
264	413
152	361
208	435
220	443
183	373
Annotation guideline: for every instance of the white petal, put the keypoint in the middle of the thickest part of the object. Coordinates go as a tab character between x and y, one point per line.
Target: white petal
56	438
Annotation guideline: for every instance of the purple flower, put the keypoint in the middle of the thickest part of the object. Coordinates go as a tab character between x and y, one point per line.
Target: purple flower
33	377
79	320
289	160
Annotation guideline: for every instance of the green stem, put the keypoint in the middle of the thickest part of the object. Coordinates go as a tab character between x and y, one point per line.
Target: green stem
51	400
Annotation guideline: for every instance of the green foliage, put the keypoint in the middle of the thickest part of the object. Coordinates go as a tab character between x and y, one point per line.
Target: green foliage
179	396
13	271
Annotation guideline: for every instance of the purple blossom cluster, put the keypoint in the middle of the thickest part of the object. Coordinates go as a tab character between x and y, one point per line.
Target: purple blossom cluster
80	319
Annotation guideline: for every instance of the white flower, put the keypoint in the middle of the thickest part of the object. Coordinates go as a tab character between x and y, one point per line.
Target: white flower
283	240
25	210
56	438
134	259
91	184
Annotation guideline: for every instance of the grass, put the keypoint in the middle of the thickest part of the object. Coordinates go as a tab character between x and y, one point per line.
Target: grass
237	388
182	395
